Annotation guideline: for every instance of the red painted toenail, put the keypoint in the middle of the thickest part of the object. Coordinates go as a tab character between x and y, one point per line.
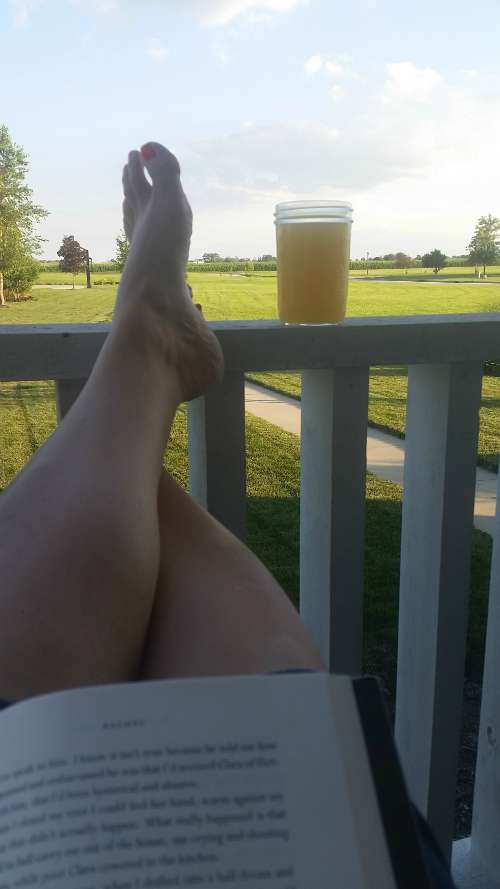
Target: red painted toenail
148	152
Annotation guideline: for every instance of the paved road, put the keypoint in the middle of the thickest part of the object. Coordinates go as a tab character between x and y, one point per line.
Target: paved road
385	453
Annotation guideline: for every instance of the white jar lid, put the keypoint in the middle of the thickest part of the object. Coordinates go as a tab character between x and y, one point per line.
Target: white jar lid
296	210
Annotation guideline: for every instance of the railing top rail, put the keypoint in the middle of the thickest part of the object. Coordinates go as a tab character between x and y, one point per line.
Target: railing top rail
66	351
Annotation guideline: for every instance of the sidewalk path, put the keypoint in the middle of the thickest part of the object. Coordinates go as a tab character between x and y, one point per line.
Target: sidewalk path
385	453
58	287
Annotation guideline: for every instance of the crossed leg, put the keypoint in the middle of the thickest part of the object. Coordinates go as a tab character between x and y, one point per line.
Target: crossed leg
108	571
217	609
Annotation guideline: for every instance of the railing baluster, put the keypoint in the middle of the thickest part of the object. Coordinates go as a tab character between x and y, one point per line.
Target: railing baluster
332	512
486	811
67	391
216	425
439	480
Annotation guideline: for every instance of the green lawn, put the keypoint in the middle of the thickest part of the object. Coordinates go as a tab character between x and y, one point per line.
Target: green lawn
254	296
231	296
27	418
67	278
62	307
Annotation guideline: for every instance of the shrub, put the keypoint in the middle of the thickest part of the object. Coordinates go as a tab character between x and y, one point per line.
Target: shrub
19	280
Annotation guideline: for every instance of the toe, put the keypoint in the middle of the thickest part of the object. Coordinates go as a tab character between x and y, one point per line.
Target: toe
138	181
127	184
161	164
128	218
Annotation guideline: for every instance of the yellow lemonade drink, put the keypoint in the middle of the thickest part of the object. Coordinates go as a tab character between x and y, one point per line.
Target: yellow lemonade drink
313	244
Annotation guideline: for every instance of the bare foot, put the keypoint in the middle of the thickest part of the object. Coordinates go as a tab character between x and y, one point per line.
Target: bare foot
153	297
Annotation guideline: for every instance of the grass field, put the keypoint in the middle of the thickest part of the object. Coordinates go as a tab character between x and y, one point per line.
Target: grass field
67	278
254	296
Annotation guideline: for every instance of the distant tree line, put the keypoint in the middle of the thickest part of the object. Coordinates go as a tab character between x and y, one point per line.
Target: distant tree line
483	248
482	251
435	260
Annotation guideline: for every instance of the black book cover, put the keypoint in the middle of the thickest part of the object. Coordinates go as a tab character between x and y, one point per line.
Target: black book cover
399	817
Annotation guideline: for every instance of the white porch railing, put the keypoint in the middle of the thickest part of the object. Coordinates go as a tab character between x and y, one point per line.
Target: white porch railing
445	355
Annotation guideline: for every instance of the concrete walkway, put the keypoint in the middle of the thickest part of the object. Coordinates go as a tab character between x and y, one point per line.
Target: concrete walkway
385	453
58	287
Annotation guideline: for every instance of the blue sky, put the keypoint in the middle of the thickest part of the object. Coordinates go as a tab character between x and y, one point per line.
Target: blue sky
391	105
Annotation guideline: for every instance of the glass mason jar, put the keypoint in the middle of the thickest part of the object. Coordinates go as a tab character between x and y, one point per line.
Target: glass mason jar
313	240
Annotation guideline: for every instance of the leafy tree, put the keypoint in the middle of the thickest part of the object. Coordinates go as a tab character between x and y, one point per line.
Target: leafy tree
402	261
484	247
211	257
73	256
434	260
267	257
18	213
122	248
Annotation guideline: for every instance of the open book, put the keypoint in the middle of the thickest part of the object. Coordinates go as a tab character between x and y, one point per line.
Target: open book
276	782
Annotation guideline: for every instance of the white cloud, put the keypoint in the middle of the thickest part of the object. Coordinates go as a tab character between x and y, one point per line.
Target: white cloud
301	157
410	166
156	50
313	64
407	81
337	92
335	69
21	11
208	12
220	12
100	8
330	67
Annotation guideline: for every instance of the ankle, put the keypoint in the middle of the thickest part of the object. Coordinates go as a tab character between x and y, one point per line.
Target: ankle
142	342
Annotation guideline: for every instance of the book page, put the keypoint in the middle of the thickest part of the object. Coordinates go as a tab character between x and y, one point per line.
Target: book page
213	782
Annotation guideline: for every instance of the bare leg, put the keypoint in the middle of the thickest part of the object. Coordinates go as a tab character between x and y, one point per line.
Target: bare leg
217	609
79	536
